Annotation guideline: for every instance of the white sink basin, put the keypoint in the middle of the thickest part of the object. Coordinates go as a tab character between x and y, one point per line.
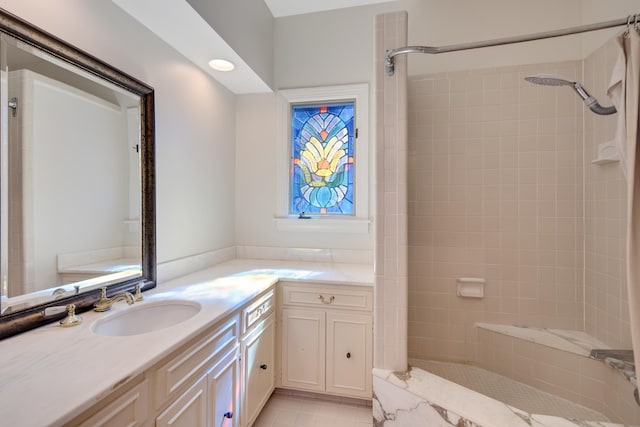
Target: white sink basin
146	317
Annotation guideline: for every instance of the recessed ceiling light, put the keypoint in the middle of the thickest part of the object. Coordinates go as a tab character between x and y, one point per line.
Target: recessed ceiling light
221	65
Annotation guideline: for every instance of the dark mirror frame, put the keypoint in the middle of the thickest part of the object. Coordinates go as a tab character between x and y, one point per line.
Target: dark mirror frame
33	317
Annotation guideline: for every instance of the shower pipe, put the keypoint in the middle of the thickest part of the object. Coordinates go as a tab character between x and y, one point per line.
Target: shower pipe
392	53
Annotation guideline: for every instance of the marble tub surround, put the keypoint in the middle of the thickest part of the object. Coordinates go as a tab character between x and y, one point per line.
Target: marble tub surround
576	342
626	369
418	398
570	375
67	370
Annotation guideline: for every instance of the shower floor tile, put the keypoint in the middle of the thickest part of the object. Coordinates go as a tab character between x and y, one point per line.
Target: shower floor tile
283	410
513	393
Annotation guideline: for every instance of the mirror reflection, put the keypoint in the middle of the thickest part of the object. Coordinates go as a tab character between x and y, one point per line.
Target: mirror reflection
70	197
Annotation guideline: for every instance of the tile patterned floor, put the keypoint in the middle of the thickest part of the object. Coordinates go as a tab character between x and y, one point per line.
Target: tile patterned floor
289	410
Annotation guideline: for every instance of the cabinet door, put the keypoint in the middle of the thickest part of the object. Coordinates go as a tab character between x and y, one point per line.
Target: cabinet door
349	361
189	409
258	369
303	349
224	392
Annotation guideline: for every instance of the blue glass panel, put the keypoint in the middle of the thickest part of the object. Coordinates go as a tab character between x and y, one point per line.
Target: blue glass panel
322	158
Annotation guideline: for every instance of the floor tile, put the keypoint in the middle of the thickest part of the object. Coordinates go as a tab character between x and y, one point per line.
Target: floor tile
284	410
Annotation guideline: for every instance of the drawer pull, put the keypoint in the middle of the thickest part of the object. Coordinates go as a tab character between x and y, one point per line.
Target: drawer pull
263	366
228	414
322	300
348	355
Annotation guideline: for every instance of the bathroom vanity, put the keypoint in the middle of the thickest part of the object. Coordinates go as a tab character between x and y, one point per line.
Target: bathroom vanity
326	338
206	382
216	367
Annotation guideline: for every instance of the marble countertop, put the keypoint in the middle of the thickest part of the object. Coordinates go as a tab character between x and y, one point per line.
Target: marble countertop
301	271
64	371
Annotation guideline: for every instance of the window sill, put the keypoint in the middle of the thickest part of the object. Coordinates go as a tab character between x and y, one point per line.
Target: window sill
324	225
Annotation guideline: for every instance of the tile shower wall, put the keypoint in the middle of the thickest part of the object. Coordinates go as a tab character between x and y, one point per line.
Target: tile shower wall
606	303
495	191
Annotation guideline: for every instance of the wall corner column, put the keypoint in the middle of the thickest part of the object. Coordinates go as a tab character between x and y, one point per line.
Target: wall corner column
391	239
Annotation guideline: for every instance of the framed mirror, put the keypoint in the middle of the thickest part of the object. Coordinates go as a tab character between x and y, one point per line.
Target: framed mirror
77	179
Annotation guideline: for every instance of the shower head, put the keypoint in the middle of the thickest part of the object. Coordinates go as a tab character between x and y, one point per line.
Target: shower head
553	80
549	80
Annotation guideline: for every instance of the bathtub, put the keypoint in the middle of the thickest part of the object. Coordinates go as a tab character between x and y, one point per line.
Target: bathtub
436	393
419	398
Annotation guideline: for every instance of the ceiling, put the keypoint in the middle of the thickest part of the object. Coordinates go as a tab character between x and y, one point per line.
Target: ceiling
160	17
280	8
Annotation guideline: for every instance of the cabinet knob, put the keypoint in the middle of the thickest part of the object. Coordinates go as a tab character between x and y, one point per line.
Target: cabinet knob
348	355
263	366
228	414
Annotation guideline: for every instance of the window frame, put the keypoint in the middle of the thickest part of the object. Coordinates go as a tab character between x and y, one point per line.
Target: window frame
359	221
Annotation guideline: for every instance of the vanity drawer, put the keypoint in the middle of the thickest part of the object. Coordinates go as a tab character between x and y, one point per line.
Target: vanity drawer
130	408
258	310
176	374
327	297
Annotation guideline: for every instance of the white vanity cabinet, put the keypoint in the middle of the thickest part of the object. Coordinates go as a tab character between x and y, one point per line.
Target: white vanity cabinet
222	387
326	339
258	356
199	386
210	401
189	408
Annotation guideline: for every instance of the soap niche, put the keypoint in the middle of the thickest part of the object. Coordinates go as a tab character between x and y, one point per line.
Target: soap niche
607	153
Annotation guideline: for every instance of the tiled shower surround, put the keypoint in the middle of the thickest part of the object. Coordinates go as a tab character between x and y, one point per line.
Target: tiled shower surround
502	187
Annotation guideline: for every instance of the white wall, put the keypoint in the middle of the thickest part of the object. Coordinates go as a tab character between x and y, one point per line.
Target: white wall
195	120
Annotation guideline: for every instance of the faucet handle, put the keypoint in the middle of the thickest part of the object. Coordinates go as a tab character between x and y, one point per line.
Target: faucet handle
138	295
72	319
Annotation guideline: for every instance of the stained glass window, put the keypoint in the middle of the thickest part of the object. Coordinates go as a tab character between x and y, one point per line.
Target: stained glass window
322	158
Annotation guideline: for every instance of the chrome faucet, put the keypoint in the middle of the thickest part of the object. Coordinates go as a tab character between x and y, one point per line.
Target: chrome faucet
104	304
